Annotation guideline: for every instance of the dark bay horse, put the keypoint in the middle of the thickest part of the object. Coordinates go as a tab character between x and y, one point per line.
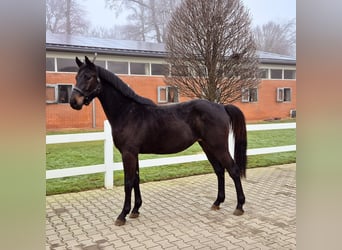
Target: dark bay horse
141	126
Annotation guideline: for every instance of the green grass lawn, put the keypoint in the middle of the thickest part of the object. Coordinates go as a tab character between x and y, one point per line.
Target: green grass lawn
91	153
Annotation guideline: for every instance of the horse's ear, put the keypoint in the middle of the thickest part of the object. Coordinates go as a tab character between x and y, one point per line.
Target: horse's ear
88	62
78	61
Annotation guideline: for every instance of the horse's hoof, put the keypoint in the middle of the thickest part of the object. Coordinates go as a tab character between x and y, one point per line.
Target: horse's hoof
215	207
238	212
120	222
134	215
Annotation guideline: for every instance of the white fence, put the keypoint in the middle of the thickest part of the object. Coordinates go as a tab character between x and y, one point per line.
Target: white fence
109	166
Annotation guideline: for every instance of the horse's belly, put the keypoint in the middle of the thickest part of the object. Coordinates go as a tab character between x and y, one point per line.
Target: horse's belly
167	144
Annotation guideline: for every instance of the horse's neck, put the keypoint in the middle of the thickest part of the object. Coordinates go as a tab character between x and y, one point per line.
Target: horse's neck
114	103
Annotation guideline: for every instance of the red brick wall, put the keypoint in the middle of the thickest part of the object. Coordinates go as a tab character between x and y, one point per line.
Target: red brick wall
60	116
267	106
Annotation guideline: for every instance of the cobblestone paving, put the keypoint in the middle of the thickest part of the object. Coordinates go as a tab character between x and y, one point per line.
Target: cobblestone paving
176	215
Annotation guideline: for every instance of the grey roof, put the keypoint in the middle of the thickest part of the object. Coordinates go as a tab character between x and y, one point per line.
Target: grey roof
273	58
72	43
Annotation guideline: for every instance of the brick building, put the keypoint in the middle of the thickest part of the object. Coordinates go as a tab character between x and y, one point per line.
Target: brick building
140	65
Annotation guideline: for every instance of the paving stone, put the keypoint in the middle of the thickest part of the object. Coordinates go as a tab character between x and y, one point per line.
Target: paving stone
176	215
110	247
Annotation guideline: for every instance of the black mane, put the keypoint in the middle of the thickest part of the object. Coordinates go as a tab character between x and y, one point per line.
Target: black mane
119	85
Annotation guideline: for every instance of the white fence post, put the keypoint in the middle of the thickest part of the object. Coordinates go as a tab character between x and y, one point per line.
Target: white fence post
108	156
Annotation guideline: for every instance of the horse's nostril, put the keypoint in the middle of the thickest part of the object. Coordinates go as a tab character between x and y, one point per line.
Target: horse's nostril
75	104
72	101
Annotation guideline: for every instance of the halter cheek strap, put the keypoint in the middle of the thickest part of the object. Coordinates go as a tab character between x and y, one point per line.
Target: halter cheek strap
90	96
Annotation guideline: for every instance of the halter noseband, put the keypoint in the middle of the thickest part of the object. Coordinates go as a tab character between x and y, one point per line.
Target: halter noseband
89	97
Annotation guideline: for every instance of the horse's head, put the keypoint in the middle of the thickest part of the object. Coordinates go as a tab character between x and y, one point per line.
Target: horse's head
87	86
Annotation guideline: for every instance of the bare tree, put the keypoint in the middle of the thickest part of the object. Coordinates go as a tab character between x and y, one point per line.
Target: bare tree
65	16
149	16
119	32
211	50
277	38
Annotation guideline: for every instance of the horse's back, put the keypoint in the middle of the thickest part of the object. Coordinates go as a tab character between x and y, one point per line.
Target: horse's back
173	128
208	112
202	117
195	107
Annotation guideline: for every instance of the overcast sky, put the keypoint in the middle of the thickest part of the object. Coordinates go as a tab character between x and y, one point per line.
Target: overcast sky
262	11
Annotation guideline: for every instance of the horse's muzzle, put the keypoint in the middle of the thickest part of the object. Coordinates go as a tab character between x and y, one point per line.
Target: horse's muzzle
76	100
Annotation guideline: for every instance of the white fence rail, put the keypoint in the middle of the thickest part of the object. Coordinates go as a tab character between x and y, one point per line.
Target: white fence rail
109	166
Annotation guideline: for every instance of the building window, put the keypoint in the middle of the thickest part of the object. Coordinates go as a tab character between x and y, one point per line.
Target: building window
58	93
159	69
140	69
289	74
250	95
283	94
118	67
180	70
100	63
66	65
276	74
263	73
51	94
167	94
50	64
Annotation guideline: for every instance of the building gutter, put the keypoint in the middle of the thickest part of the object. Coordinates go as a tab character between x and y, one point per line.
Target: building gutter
107	51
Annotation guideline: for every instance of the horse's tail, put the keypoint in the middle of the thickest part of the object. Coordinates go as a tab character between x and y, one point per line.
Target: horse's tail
238	125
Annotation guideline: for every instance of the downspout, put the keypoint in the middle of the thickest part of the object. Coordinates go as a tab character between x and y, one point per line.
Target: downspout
94	114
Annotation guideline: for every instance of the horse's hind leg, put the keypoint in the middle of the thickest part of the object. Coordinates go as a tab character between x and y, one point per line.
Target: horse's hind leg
220	161
219	171
234	173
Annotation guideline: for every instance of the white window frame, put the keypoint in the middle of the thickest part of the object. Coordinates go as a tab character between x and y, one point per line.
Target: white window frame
268	73
107	62
147	68
54	64
282	73
163	65
56	92
165	99
281	94
295	74
162	88
54	86
246	97
270	67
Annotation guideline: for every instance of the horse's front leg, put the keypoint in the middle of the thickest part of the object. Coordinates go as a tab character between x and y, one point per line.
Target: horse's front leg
137	195
130	163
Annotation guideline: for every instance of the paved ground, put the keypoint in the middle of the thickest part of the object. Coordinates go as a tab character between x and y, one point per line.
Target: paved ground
176	215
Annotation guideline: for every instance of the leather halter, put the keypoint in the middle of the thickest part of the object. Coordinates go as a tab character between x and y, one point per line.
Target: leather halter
90	96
